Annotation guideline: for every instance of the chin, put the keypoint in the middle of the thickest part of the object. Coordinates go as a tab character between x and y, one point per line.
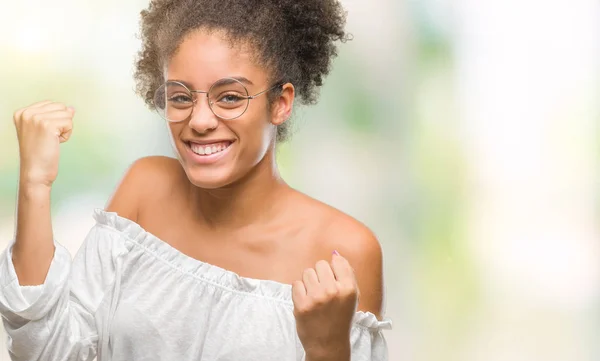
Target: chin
208	181
209	177
207	171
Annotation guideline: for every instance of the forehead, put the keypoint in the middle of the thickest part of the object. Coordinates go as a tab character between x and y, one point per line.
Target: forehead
205	57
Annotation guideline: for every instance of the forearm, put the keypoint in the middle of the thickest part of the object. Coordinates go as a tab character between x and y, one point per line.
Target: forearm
34	247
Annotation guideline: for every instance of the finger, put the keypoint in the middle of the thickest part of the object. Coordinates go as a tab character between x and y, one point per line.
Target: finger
64	128
29	113
19	112
56	114
311	281
341	269
45	108
63	137
40	104
325	274
298	292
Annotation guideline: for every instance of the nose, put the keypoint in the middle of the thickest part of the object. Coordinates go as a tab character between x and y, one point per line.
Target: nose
203	119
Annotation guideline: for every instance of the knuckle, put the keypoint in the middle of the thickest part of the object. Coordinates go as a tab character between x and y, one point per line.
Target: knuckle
37	118
46	126
320	299
27	113
301	309
331	292
299	312
348	291
17	115
322	263
297	286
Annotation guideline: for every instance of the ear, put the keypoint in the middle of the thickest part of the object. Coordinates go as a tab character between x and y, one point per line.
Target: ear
283	105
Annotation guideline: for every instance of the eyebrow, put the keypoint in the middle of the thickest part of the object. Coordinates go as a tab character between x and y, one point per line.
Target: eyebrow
239	78
243	80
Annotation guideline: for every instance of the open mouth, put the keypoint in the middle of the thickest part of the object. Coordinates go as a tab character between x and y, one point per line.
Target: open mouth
209	149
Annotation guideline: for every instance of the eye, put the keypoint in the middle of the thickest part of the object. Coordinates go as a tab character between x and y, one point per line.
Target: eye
180	99
230	98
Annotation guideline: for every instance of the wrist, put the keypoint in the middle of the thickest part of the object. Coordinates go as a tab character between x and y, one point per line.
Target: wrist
331	352
34	176
34	189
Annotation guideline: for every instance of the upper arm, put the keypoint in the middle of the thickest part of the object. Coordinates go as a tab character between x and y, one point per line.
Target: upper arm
360	247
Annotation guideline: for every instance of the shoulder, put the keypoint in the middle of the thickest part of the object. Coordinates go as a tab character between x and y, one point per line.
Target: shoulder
148	176
359	245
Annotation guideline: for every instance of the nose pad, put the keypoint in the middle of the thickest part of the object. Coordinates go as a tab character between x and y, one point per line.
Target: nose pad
202	118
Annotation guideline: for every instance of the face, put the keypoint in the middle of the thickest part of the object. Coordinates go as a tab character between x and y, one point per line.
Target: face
213	151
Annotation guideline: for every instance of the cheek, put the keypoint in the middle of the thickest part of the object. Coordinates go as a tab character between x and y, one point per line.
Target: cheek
174	130
256	137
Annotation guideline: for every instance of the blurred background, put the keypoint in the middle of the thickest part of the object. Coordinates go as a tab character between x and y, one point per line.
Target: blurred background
464	133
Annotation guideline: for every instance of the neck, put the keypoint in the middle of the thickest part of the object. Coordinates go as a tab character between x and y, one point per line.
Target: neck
246	201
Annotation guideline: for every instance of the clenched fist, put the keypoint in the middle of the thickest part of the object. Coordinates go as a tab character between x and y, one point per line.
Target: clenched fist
41	127
324	305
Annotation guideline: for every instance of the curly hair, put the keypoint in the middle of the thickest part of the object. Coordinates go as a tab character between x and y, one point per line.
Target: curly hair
294	39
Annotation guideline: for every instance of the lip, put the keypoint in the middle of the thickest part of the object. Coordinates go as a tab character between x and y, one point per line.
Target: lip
207	141
206	159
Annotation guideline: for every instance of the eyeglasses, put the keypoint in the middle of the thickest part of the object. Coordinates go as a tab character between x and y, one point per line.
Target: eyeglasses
227	98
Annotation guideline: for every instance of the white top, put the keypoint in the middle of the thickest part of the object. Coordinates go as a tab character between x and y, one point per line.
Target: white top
128	295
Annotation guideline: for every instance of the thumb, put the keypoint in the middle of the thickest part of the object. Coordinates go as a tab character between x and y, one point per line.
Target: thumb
64	130
64	136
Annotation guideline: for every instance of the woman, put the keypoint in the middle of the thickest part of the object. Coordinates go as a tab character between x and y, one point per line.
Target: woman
211	256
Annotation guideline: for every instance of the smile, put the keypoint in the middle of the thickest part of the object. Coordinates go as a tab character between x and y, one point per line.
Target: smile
207	153
208	149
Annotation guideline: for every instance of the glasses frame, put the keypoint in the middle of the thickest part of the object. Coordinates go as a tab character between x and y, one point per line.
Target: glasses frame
210	105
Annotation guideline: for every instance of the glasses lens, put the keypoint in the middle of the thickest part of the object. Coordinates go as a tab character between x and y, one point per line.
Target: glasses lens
228	98
173	102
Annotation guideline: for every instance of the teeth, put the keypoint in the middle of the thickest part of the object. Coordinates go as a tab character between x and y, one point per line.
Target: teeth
208	149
